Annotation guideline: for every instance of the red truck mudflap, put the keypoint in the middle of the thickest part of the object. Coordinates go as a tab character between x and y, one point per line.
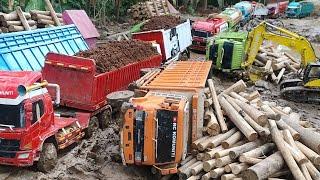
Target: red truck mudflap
27	157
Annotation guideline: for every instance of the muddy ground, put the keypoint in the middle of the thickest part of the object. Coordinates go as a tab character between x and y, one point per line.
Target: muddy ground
98	157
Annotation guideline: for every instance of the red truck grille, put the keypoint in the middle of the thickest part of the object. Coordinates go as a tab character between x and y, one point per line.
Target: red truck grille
202	34
7	154
8	148
9	145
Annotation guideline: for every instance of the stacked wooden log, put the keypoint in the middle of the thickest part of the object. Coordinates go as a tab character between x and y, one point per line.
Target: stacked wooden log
274	64
16	21
262	140
44	18
145	10
23	21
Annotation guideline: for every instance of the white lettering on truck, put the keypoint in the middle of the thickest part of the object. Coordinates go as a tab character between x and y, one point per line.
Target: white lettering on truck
174	138
6	93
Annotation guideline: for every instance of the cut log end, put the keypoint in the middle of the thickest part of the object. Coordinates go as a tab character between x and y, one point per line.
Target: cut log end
253	137
250	174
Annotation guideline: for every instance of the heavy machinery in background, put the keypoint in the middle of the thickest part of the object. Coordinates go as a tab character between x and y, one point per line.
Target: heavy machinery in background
33	127
246	9
305	90
260	11
173	41
228	20
229	53
277	9
216	51
232	15
202	30
300	9
159	126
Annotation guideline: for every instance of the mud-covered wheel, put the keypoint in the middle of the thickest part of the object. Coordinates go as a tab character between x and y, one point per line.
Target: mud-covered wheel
93	126
104	118
48	157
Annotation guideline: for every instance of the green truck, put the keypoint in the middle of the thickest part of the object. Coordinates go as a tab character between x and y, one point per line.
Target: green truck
227	50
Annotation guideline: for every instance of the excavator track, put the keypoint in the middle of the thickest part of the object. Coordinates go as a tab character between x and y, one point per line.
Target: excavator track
301	94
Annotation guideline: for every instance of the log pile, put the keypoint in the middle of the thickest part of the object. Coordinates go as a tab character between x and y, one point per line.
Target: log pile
273	64
44	19
22	21
16	21
262	140
146	10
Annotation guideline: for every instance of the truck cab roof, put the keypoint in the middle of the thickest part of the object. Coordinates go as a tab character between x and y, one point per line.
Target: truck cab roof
209	24
10	81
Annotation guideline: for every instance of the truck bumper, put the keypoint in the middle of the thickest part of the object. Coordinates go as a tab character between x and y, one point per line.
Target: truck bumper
21	158
199	44
198	48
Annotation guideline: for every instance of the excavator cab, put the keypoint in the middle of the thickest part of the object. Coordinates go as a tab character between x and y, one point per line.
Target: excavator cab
311	76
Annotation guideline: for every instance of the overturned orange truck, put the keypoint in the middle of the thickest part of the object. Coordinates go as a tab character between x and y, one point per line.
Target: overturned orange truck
159	127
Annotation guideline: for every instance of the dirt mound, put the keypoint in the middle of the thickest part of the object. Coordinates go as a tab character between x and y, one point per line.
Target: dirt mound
161	22
116	54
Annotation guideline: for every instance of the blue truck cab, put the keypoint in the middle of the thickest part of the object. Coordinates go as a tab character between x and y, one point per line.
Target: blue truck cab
246	9
300	9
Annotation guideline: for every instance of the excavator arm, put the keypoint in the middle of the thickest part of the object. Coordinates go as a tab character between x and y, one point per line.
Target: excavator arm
281	36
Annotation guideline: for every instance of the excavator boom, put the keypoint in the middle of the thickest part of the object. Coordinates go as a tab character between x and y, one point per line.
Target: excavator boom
266	31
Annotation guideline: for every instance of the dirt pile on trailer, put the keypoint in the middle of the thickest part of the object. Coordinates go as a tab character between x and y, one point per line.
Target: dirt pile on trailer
161	22
116	54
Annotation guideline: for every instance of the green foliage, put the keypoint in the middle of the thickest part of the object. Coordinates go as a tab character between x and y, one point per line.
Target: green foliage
35	4
191	10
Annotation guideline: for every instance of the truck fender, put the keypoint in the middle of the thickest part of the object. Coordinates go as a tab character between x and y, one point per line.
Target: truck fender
51	139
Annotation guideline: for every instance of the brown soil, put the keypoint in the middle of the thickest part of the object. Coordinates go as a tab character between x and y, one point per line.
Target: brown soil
116	54
161	22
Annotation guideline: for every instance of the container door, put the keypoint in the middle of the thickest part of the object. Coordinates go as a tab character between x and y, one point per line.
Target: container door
171	43
185	37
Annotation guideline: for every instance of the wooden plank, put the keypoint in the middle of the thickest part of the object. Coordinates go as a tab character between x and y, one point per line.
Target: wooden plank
23	19
52	13
155	7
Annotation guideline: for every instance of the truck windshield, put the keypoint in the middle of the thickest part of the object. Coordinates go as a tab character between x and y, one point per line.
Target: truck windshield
293	9
12	116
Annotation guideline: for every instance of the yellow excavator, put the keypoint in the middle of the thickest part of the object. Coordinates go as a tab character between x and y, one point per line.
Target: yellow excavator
232	50
305	89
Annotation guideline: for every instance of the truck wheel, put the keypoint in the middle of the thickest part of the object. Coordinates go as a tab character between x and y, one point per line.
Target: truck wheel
104	118
93	126
48	157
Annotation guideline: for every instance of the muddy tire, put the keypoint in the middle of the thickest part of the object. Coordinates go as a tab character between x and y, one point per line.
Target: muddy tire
92	127
104	118
48	158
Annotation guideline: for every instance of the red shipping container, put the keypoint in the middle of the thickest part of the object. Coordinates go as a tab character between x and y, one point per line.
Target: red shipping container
81	87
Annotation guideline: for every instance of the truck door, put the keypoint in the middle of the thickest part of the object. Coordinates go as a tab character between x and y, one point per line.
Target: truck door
36	122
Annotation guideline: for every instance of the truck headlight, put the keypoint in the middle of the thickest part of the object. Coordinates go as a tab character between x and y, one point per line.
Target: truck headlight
23	156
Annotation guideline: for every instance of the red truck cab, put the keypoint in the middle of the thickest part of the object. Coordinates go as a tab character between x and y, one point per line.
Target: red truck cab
29	127
202	30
